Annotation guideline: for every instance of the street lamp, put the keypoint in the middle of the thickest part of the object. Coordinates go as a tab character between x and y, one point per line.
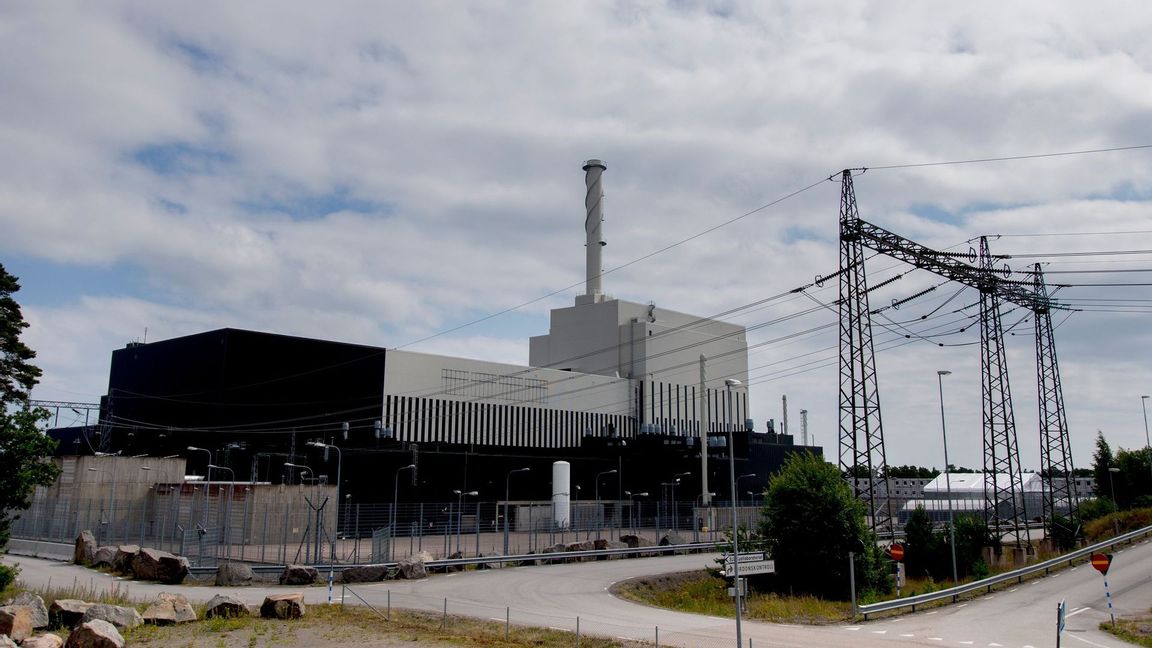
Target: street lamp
507	482
460	512
632	506
1147	444
207	482
1115	518
599	514
302	468
227	511
676	480
111	500
729	384
947	478
339	464
395	504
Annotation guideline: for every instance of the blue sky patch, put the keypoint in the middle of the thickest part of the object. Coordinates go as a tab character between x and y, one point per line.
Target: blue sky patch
179	158
313	206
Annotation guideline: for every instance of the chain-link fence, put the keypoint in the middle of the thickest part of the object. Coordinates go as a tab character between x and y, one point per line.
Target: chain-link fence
277	524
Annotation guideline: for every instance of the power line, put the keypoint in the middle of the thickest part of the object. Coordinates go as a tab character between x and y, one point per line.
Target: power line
1012	157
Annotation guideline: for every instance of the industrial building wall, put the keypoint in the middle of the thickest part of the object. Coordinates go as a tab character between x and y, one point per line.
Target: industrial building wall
429	398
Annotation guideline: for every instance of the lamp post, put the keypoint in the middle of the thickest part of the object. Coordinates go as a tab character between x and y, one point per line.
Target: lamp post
632	506
339	465
228	510
207	481
1147	443
947	478
676	480
729	384
599	514
743	477
395	510
112	499
460	512
302	468
507	483
1112	470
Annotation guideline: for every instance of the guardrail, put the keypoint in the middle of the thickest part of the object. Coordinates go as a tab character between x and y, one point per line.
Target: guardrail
988	583
691	547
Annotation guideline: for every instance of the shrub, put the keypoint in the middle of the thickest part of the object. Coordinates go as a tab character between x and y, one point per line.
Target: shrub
8	576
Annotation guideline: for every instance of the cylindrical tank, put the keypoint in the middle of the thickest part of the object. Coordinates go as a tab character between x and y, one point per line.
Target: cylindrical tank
561	495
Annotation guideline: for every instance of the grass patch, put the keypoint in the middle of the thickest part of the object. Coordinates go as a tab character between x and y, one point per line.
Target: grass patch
702	593
1134	630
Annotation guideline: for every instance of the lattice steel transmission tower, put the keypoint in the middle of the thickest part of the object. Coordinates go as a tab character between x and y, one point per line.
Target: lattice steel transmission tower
1055	446
861	433
1004	506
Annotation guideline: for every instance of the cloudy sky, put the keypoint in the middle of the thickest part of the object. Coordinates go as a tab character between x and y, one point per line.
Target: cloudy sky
380	172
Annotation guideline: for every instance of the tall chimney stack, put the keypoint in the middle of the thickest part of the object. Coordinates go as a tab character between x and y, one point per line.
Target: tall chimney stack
593	227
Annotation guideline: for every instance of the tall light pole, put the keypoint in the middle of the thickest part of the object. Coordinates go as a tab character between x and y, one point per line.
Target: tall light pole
228	504
460	512
631	508
743	477
729	384
507	483
1112	470
395	510
947	478
599	515
676	480
207	481
302	468
112	499
1147	443
339	465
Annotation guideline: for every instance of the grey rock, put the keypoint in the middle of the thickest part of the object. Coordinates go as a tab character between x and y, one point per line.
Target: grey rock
105	555
6	642
226	606
35	605
231	574
283	606
117	615
153	564
673	538
169	609
122	562
43	641
364	574
412	567
67	613
16	622
95	634
298	575
84	549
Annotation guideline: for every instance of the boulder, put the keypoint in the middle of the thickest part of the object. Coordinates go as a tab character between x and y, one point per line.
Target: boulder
232	574
105	555
169	609
35	605
299	575
412	567
43	641
95	634
16	622
283	606
122	562
225	606
6	642
117	615
673	538
67	613
85	548
153	564
364	574
556	548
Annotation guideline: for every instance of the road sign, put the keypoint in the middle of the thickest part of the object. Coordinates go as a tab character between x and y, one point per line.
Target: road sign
1061	615
749	568
1101	562
896	551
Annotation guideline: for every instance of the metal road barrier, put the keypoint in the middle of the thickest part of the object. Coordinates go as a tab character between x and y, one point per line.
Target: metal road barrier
988	583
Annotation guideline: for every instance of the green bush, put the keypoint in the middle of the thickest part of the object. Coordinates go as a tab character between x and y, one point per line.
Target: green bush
8	576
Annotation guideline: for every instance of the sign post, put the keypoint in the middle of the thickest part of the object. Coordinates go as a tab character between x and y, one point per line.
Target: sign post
896	553
1101	562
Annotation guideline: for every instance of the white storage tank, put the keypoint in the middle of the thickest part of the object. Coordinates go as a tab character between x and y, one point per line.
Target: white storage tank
561	493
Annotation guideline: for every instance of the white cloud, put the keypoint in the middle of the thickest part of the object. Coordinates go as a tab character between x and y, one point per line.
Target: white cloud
446	142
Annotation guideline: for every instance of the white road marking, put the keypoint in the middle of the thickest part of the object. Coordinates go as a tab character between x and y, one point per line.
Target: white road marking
907	635
995	645
851	628
495	619
935	639
1009	591
1090	643
964	604
932	612
1077	611
965	643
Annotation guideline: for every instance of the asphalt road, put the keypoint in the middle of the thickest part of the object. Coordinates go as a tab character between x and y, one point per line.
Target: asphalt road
562	596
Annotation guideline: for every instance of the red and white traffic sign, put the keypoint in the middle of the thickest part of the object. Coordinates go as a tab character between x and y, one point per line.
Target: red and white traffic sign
896	552
1101	562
